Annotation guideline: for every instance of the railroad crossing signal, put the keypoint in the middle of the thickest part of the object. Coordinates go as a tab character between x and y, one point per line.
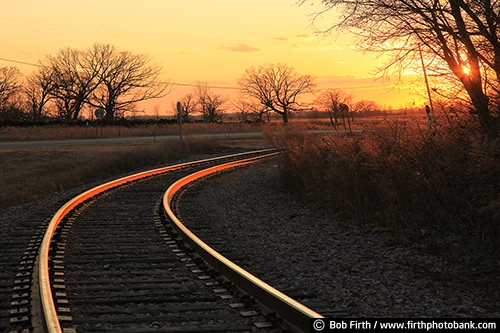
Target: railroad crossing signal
99	113
343	108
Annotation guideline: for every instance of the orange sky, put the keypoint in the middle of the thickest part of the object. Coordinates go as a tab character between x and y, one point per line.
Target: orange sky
197	40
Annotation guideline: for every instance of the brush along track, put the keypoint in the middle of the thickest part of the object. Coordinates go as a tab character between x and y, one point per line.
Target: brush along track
116	265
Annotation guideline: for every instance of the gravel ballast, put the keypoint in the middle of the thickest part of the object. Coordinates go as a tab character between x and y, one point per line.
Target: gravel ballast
290	246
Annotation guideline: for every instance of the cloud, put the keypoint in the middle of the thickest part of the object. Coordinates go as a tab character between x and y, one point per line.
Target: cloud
351	82
183	53
325	47
238	47
306	42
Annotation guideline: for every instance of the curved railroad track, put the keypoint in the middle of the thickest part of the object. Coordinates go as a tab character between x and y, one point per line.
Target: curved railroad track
116	258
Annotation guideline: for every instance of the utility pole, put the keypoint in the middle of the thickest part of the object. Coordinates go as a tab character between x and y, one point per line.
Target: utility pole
426	82
179	118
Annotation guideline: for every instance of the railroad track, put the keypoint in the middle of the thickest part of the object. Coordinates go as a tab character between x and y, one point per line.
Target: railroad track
116	258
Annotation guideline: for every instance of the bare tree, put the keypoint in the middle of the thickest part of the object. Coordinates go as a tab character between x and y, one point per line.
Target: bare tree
37	90
462	35
211	105
101	77
76	75
156	111
10	88
189	107
251	109
10	85
124	79
335	102
365	106
276	86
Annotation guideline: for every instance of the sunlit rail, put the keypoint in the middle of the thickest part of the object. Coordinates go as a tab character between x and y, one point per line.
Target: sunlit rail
294	313
49	312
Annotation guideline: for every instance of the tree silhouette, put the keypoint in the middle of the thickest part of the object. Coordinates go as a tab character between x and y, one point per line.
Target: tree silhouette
332	101
101	77
10	84
458	37
276	86
75	74
125	79
210	104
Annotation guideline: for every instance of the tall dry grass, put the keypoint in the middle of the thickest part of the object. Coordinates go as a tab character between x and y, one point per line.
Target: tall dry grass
434	189
63	132
31	174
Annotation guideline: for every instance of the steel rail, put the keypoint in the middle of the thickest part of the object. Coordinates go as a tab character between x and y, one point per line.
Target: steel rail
49	312
294	313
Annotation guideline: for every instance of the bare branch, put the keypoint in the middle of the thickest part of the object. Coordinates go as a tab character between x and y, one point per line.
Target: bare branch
453	34
276	87
211	105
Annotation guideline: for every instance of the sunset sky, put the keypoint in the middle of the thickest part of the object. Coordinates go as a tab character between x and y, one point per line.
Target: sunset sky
198	40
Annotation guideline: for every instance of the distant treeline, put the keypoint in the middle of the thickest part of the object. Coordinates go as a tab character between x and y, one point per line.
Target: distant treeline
118	122
142	121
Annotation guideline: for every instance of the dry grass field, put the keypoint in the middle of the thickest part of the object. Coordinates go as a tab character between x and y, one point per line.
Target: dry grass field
27	174
63	132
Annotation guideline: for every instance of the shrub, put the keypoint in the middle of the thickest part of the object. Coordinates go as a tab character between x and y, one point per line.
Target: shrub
438	189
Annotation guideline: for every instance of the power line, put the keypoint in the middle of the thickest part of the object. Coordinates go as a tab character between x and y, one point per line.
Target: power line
176	84
20	62
196	85
208	86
